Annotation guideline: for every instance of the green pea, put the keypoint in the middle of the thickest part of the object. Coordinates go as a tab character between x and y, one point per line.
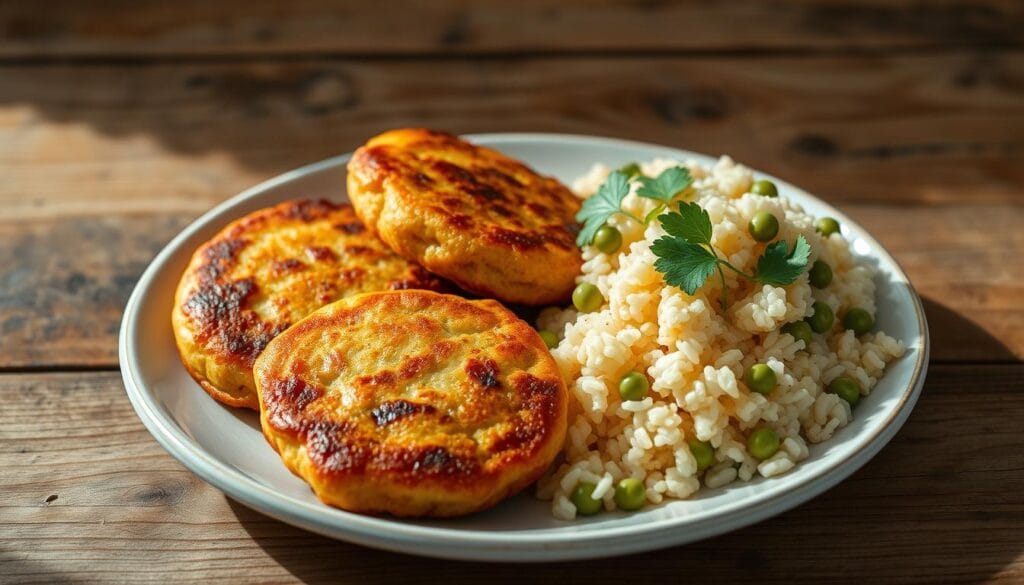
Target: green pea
583	499
630	170
630	494
827	226
633	386
764	188
820	274
763	443
760	378
847	388
587	298
763	226
549	337
608	239
823	317
703	452
799	330
858	320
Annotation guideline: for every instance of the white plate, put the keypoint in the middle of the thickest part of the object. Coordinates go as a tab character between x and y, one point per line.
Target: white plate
225	448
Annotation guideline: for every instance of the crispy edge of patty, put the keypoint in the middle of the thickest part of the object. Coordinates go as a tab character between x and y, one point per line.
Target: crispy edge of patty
446	216
348	467
217	336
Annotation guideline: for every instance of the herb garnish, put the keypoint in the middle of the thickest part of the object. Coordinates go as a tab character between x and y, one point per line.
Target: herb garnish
600	206
687	258
607	201
664	188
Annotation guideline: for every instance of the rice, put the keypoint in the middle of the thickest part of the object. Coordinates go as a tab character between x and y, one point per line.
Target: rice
695	354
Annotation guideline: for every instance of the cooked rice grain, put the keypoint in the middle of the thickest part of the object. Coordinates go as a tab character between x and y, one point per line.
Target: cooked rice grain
695	354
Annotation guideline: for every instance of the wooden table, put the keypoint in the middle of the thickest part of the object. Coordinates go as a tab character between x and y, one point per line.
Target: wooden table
122	122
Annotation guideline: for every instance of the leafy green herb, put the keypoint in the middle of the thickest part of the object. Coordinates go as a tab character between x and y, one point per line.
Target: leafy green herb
779	266
600	206
607	201
690	223
666	186
630	170
687	258
684	264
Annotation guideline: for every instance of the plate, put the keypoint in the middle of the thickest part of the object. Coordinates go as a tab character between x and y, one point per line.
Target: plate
224	446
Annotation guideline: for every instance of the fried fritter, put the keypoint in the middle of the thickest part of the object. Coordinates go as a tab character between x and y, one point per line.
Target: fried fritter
412	403
266	271
470	214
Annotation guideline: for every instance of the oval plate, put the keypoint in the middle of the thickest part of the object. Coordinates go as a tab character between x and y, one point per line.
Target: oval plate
224	446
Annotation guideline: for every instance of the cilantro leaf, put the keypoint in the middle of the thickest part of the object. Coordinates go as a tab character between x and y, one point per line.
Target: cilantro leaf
779	266
600	206
665	186
684	264
690	223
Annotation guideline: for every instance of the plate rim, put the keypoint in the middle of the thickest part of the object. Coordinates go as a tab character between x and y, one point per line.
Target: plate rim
459	543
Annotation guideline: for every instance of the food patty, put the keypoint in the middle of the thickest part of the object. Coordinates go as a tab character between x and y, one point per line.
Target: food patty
412	403
266	271
470	214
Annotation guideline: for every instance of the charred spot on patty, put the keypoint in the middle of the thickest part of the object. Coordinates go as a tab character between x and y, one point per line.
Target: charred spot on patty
220	315
521	436
287	266
392	410
519	240
286	399
460	221
428	462
383	378
321	254
352	227
219	257
484	372
309	210
333	450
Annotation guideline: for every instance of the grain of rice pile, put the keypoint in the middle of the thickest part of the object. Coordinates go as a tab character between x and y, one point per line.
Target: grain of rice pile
695	355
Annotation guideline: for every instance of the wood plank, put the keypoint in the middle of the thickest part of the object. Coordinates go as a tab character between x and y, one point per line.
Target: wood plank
64	284
178	138
90	496
261	27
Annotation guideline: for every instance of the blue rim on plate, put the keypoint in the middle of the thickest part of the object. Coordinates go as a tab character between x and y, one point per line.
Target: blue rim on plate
601	537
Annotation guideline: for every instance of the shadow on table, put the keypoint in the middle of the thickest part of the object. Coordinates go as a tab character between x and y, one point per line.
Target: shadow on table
954	335
931	507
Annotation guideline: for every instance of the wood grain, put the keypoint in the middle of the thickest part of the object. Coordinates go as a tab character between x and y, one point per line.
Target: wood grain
90	497
61	306
934	129
261	27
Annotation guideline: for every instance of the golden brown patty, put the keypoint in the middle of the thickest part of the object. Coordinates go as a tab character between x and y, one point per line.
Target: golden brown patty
266	271
412	403
468	213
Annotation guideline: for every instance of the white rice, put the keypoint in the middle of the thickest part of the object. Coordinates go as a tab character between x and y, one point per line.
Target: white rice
695	355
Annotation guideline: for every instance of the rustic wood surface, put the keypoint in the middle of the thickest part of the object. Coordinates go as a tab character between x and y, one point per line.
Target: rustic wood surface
264	27
121	123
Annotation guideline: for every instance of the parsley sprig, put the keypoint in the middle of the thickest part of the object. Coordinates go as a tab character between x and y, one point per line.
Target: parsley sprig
607	201
664	188
686	257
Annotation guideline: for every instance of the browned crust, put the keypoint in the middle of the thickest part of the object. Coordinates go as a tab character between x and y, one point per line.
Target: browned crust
471	214
250	265
457	406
